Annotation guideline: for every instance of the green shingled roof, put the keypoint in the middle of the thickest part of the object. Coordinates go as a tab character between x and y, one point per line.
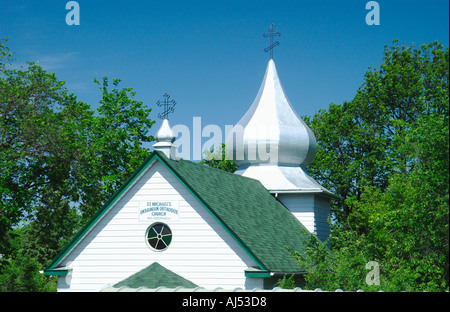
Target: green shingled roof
154	276
259	223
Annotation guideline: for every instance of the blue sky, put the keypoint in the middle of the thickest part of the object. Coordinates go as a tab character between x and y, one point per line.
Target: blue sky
208	55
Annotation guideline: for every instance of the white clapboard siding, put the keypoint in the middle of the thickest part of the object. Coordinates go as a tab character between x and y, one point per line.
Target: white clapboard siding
115	248
322	212
301	206
311	210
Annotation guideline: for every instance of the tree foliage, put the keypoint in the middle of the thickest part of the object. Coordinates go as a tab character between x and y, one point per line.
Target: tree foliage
60	160
386	154
219	159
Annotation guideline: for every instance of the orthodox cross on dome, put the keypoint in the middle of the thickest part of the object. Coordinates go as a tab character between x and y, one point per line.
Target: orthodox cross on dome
168	106
272	33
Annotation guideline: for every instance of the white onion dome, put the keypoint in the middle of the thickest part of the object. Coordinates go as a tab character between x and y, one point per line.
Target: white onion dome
165	133
271	132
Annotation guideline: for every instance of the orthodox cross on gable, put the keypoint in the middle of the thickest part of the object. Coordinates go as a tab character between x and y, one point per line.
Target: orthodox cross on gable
168	106
272	33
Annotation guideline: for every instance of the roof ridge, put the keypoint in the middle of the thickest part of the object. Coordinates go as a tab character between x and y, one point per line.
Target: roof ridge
190	162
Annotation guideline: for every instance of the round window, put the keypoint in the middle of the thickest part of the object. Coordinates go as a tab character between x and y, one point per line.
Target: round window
159	236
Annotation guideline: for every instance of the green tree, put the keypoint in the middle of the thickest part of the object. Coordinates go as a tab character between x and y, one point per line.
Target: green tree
408	222
287	282
358	141
40	140
114	145
59	159
351	153
20	272
386	154
218	159
343	268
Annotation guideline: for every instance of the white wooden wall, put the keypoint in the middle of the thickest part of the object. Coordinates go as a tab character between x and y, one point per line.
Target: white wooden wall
311	210
201	250
322	212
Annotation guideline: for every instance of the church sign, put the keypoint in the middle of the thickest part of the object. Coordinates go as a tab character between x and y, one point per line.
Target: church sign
159	210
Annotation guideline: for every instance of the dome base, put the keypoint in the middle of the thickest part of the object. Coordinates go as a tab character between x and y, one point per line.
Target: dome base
284	179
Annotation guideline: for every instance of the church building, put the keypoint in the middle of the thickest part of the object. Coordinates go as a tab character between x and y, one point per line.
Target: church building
177	223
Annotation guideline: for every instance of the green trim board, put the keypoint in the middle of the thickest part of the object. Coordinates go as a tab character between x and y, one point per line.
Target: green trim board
252	272
259	223
56	272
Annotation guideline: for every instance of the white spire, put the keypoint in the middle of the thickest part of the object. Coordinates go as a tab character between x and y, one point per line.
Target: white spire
271	132
165	138
271	142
